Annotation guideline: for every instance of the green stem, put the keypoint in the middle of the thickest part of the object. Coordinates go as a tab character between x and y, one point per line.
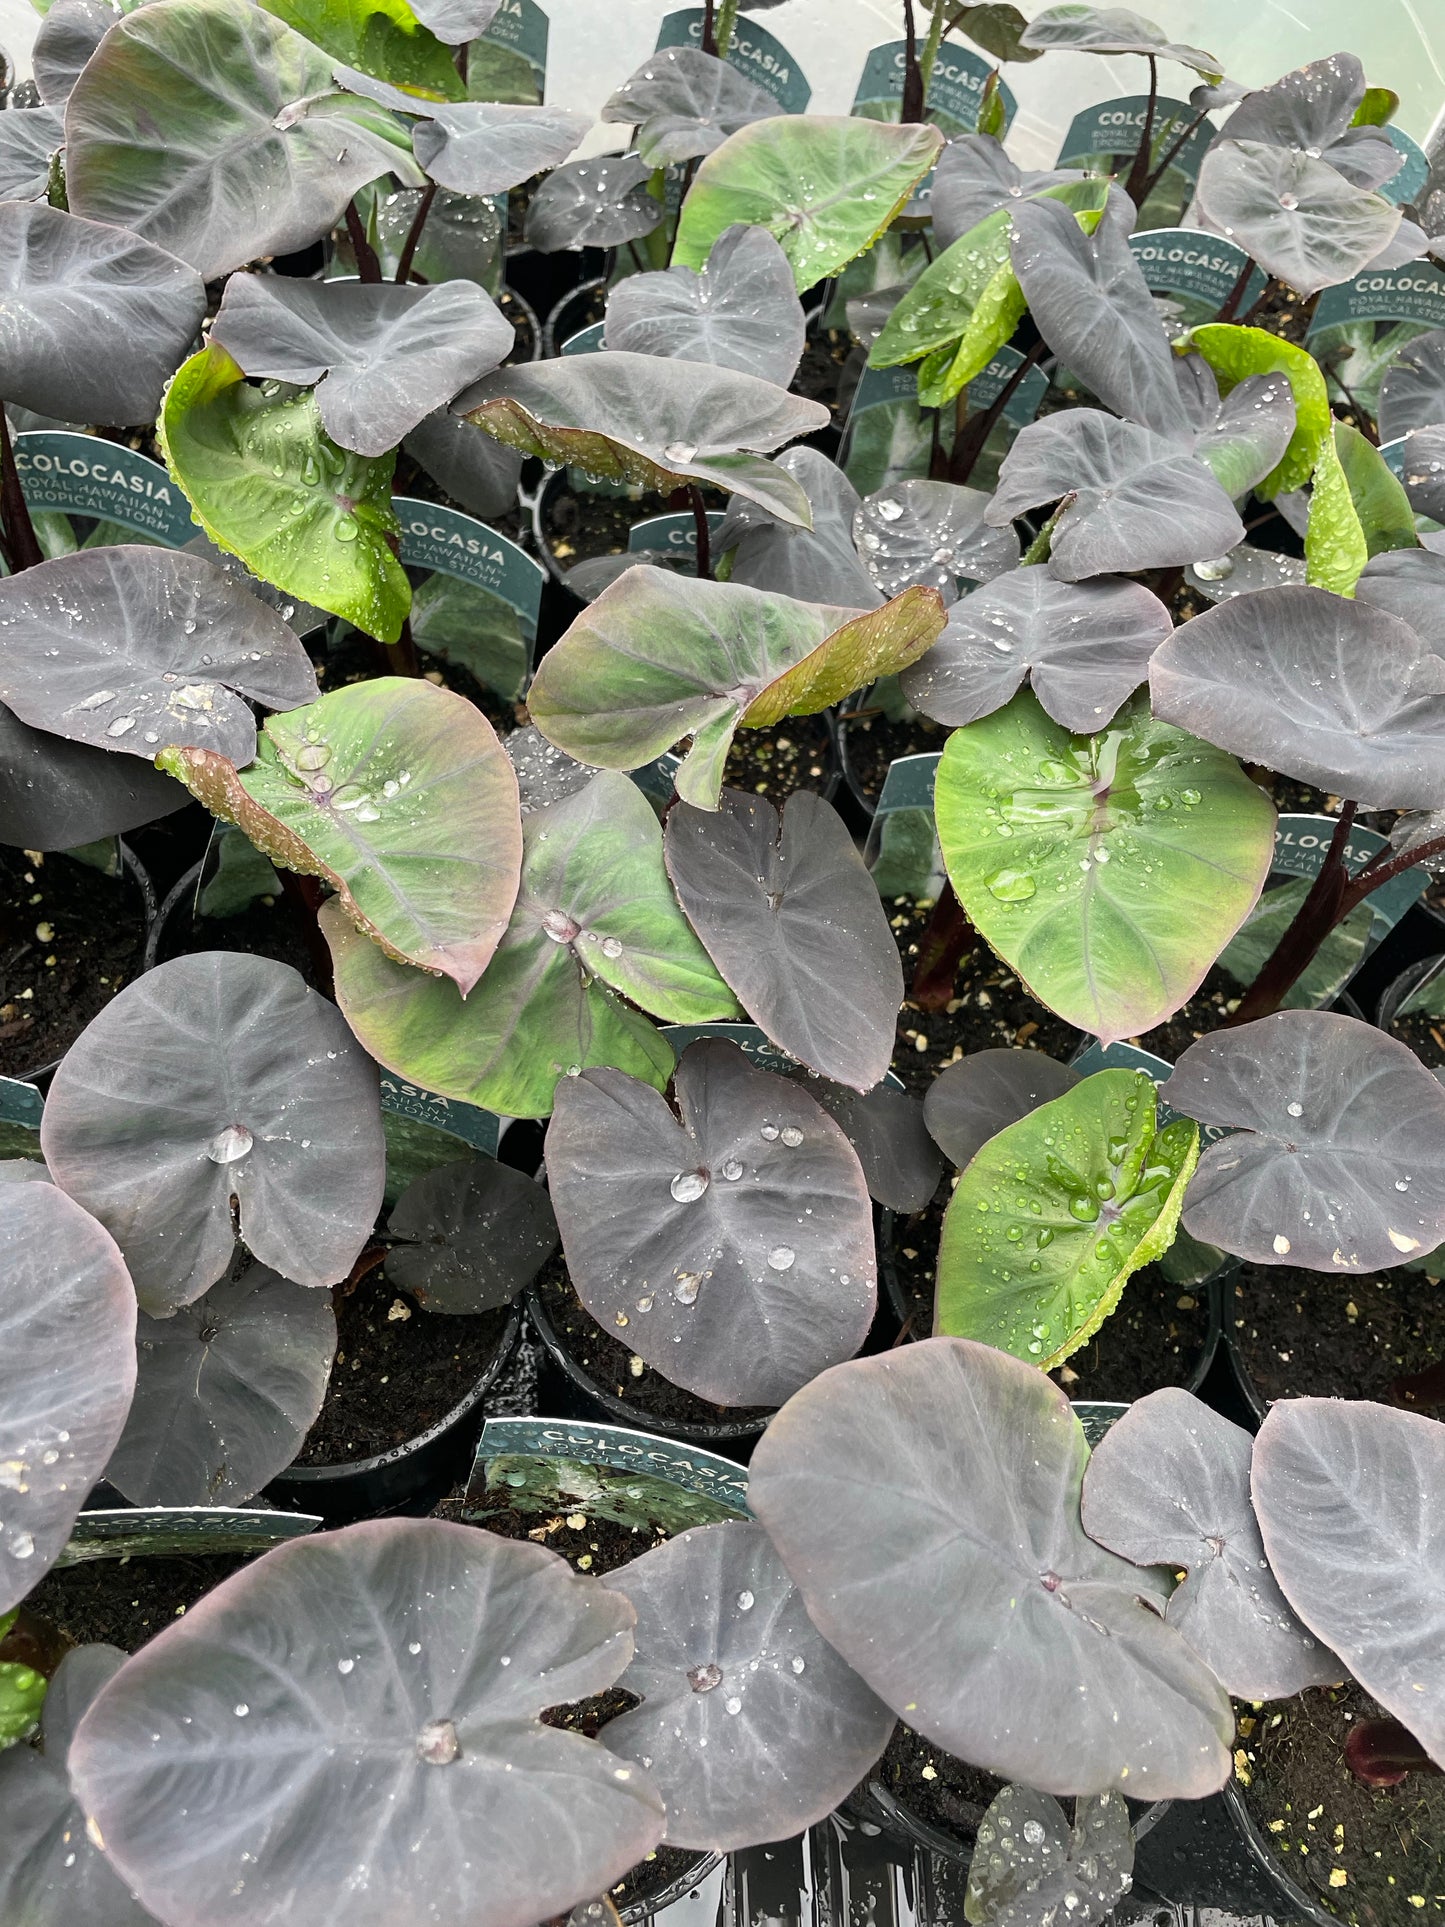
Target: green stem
727	19
929	57
1043	542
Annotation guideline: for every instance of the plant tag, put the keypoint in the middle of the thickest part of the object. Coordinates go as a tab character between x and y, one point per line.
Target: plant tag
449	543
20	1108
1128	1057
160	1531
754	52
480	1129
954	93
902	849
66	473
1415	292
1023	405
1116	127
887	439
1200	268
522	28
1413	175
586	341
509	1449
1302	842
676	532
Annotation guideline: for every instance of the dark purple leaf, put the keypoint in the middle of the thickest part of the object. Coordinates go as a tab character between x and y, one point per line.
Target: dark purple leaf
975	178
56	795
684	103
886	1128
933	534
475	1233
480	147
739	311
982	1094
1410	584
819	564
1424	471
1031	1867
1412	390
598	203
68	35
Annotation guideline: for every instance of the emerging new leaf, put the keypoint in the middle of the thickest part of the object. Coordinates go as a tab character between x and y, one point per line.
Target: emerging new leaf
973	1100
469	1236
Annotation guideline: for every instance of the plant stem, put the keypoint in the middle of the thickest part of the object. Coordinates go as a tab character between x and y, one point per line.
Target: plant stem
408	252
727	19
709	33
1134	187
969	442
911	108
23	550
1043	542
1232	300
1384	868
368	268
1266	294
1313	922
947	938
404	648
306	897
704	532
1166	160
929	57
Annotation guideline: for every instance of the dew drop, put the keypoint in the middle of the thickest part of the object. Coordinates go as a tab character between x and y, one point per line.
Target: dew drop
344	1666
792	1136
746	1601
229	1144
732	1170
688	1186
781	1257
1011	886
1295	1109
733	1706
686	1289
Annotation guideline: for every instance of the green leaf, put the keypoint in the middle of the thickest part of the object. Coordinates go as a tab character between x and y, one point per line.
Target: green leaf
462	622
1335	546
549	1003
992	114
997	313
659	656
242	874
997	30
1234	353
1055	1214
22	1694
1335	962
1109	871
824	186
269	485
1380	104
382	38
401	796
1380	505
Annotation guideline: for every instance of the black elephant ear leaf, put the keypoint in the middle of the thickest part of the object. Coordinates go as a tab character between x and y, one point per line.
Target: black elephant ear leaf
741	310
51	1870
1168	1485
1412	389
30	137
737	1243
982	1094
56	795
1091	303
651	421
1301	220
471	1236
750	1723
136	649
1031	1866
214	1079
931	534
457	21
67	1370
684	103
395	1630
226	1390
545	774
1113	30
1084	647
383	357
1136	500
1424	470
1337	1158
962	1467
93	321
1243	437
68	35
975	178
1309	108
792	919
1350	1498
1410	584
473	469
1320	687
483	147
819	564
886	1128
597	203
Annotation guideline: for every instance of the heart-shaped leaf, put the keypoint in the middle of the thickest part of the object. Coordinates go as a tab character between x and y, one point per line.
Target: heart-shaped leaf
1030	1863
227	1388
824	186
67	1370
1237	353
595	921
185	1098
473	469
67	37
473	1234
1311	107
792	919
658	657
485	147
1113	30
209	128
1337	1158
1176	839
56	795
387	1710
751	1723
382	357
817	564
1052	1217
602	202
269	485
1299	218
1412	390
30	138
737	1242
961	1468
1410	584
739	311
975	178
1243	438
1084	647
1349	1499
92	321
126	648
1324	689
1169	1485
973	1100
655	423
885	1127
383	38
684	103
400	795
931	534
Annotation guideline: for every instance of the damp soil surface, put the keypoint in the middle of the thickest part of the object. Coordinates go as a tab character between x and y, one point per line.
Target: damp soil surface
398	1371
796	754
820	372
73	937
937	1789
267	927
1425	1036
872	743
1373	1857
125	1602
1156	1337
615	1369
1333	1335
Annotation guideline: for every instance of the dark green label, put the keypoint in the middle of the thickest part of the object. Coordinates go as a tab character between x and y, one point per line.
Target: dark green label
1116	127
753	1041
954	92
20	1108
1301	844
522	26
879	386
1394	454
1129	1057
482	1130
614	1447
586	341
449	543
1415	292
1187	261
156	1531
754	52
1413	175
1025	401
677	532
68	474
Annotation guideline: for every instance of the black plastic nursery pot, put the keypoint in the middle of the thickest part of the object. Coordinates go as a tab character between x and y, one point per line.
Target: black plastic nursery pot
575	310
1421	1031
